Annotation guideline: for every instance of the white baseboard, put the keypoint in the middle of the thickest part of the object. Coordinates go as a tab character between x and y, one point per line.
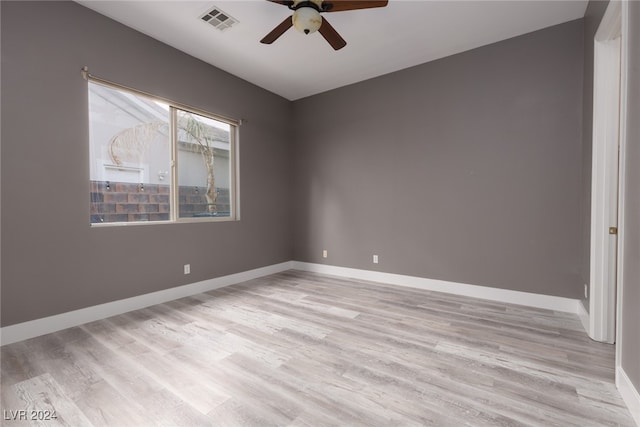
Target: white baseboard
584	317
47	325
34	328
629	393
548	302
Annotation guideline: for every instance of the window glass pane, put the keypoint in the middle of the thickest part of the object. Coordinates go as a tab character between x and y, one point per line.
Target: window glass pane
204	166
130	156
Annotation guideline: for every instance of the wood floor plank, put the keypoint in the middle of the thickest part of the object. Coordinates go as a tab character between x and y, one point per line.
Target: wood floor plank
302	349
47	405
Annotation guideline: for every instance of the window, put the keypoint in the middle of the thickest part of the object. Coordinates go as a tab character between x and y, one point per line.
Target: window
153	160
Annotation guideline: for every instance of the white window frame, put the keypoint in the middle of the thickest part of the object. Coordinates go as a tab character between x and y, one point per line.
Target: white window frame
174	211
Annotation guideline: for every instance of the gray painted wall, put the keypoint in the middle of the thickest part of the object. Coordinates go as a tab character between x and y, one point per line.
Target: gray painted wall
630	340
465	169
52	260
592	17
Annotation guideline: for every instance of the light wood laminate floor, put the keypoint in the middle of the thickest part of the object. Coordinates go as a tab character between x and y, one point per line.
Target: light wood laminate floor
301	349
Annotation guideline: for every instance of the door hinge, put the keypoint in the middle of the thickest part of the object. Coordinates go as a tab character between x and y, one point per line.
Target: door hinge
613	230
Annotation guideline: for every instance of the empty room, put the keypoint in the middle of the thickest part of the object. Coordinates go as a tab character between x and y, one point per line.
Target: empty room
320	213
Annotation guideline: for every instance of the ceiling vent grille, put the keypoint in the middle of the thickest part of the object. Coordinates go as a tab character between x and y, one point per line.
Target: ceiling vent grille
219	19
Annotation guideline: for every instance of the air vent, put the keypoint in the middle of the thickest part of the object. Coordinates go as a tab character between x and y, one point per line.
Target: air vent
219	19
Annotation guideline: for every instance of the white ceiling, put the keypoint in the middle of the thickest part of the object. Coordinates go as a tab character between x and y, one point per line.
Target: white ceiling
379	41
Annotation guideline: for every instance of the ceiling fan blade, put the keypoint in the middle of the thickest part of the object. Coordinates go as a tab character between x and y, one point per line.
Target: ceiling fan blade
331	35
342	5
283	2
278	31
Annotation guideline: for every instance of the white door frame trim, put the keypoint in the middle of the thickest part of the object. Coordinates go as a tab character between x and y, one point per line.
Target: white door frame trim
607	124
624	51
629	393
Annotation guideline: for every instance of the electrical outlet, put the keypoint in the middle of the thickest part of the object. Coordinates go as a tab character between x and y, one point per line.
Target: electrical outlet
324	253
375	259
187	269
586	291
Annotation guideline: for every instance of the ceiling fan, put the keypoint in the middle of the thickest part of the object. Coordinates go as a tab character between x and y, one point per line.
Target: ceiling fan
306	18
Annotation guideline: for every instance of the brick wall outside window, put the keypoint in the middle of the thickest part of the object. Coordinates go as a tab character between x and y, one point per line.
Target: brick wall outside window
128	202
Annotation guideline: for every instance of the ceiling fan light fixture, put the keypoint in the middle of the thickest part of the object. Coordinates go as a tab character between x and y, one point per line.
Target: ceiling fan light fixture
307	20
